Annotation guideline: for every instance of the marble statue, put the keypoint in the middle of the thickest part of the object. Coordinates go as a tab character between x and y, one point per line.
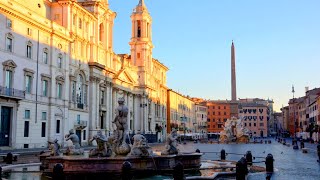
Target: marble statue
120	145
103	147
75	148
171	143
54	148
140	146
234	131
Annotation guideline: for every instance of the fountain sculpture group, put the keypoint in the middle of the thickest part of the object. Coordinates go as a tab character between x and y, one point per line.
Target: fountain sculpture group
111	153
234	131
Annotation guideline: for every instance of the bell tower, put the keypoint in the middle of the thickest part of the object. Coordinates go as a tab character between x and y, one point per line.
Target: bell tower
141	38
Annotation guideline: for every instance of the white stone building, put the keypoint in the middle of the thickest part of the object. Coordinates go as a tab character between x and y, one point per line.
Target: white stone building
59	72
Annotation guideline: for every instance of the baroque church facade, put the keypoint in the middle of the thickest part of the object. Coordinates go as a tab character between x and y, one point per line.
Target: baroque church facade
59	72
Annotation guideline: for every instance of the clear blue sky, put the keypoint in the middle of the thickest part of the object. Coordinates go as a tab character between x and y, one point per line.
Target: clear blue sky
277	45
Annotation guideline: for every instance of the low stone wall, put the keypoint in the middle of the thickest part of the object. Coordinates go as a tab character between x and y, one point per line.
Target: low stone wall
78	164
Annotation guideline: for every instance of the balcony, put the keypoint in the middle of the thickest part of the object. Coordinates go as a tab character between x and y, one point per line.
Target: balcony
12	93
80	106
79	125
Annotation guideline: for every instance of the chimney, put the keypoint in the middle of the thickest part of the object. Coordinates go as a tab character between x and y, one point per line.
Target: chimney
306	89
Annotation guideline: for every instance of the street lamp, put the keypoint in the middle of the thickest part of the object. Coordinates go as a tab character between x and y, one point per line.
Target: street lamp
295	146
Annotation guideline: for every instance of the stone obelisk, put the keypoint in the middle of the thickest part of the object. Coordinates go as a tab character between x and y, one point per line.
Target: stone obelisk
234	102
233	74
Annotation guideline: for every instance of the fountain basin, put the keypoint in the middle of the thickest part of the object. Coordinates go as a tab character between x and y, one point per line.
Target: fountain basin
85	165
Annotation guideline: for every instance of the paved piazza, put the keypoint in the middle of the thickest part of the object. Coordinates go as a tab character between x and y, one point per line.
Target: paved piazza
289	163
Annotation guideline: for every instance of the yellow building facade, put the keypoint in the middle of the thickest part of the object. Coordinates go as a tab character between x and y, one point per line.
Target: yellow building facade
181	113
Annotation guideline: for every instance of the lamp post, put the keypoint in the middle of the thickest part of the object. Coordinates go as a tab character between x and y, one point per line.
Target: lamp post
295	146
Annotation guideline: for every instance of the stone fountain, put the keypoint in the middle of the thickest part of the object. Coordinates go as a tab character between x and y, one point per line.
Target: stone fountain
234	131
113	152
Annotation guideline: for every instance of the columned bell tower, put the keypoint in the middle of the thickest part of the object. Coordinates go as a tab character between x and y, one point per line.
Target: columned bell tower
141	39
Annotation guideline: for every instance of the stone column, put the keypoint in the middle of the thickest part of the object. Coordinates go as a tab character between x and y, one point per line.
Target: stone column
97	104
108	104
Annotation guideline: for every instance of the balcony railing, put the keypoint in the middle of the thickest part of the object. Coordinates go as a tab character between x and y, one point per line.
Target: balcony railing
12	93
80	124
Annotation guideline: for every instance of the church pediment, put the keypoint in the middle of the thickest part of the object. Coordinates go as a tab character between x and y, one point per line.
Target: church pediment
125	76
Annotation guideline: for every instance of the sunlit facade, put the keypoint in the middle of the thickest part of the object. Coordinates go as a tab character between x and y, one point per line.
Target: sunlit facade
201	119
181	113
255	118
59	72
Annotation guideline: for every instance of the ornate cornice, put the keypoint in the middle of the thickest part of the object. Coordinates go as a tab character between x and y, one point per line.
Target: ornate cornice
9	65
96	65
94	79
60	79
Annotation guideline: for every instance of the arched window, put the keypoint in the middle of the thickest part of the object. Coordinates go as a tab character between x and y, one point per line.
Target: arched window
79	89
101	32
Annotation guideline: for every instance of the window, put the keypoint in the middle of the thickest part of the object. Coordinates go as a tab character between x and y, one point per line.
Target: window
29	31
57	17
80	23
254	124
73	93
261	124
213	120
45	88
84	134
78	118
250	124
213	113
81	92
101	32
139	29
224	113
101	97
44	116
29	50
45	56
8	80
9	23
74	19
27	114
28	83
224	107
58	127
59	91
59	62
9	42
208	120
43	129
26	129
208	126
218	107
219	113
219	126
87	27
245	124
